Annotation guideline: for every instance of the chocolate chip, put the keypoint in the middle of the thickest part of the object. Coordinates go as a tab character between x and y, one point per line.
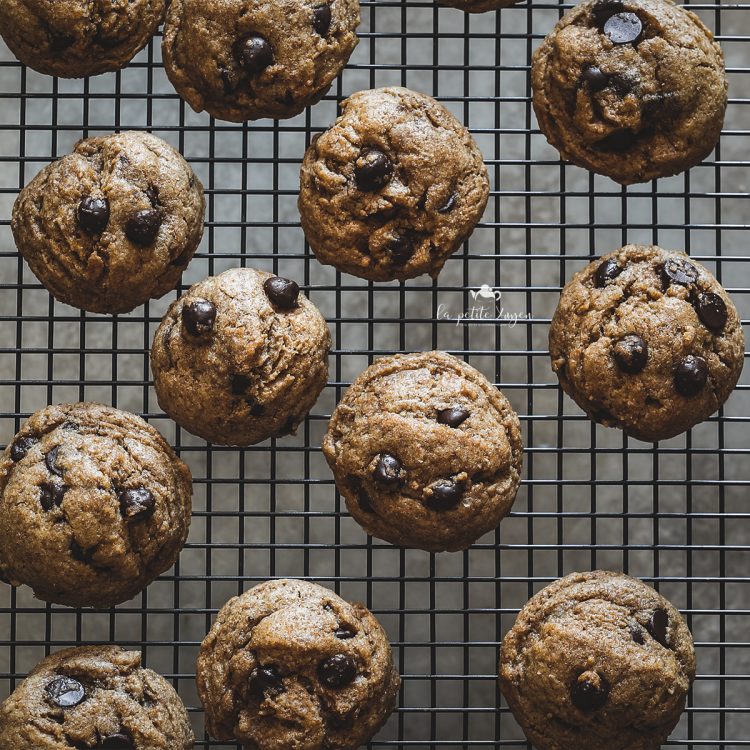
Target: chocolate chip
136	503
595	78
372	170
93	214
345	633
691	375
240	383
199	317
256	409
712	310
51	495
618	141
446	494
453	416
678	271
637	634
590	691
79	553
21	447
152	192
605	9
322	19
337	671
50	461
256	54
623	28
388	470
73	426
657	626
448	206
265	678
608	271
400	249
116	741
61	42
282	292
65	692
363	499
143	228
631	354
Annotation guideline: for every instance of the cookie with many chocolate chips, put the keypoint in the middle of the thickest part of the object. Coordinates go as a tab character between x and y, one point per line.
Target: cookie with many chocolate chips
113	224
94	697
291	665
631	89
646	340
246	59
597	660
94	505
426	451
478	6
73	39
393	188
240	357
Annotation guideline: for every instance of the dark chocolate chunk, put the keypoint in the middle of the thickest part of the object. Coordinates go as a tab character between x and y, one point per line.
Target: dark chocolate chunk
607	271
136	503
21	447
143	228
345	633
283	293
50	461
93	214
631	354
400	249
263	679
590	691
388	470
199	317
372	170
446	494
453	417
678	271
623	28
337	671
691	375
658	626
712	310
240	383
322	19
595	78
65	692
449	205
51	495
256	54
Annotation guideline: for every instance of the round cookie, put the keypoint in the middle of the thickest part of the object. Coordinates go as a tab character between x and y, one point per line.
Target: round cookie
291	665
646	340
75	39
393	188
94	697
426	451
478	6
240	357
631	89
113	224
94	505
246	59
597	660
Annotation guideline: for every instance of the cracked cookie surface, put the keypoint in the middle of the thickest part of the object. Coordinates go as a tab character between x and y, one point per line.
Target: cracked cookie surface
291	664
426	451
393	188
646	340
246	59
113	224
76	39
597	660
94	504
634	90
240	357
94	697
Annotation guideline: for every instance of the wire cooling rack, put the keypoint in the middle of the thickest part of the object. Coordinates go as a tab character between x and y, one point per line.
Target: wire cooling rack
674	514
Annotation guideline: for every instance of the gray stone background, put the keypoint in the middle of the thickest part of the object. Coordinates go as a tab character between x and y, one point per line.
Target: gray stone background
675	515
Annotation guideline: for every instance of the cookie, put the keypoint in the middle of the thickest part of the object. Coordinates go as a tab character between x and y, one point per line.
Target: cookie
426	451
597	660
94	505
113	224
478	6
73	39
393	188
646	340
631	89
240	357
246	59
291	665
94	697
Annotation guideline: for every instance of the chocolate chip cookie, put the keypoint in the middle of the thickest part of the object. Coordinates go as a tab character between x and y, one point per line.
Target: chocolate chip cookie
426	451
113	224
393	188
94	697
73	39
240	357
597	660
478	6
291	665
246	59
94	504
631	89
646	340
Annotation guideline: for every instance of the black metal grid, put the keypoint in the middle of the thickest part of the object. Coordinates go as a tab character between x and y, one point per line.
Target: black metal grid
673	514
